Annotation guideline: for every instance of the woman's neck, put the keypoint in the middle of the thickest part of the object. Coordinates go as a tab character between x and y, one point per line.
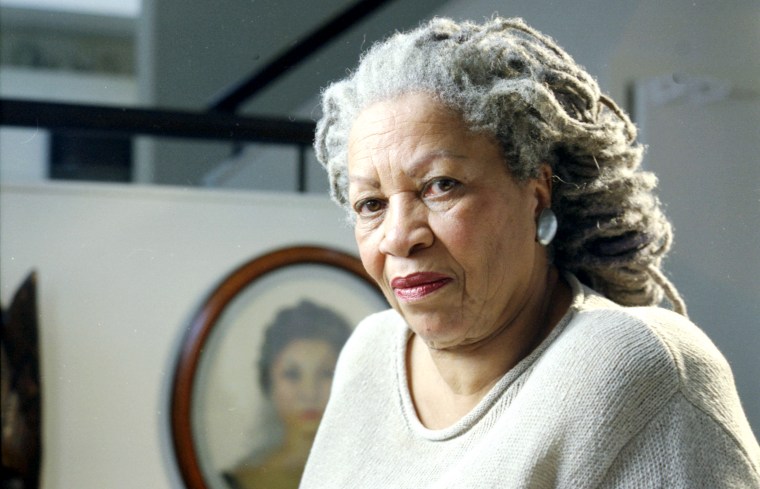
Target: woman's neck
447	384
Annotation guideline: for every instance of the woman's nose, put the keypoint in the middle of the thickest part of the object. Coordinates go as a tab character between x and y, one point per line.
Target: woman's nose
315	391
406	228
309	391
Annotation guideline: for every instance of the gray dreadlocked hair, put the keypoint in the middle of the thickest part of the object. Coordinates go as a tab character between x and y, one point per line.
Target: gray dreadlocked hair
509	80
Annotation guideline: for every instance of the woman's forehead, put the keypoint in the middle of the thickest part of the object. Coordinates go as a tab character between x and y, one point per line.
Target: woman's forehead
402	124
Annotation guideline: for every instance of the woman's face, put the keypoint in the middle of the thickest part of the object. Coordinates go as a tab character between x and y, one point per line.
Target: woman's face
441	225
301	378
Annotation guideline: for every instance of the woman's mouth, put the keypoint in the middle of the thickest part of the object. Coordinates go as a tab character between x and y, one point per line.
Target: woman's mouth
311	415
418	285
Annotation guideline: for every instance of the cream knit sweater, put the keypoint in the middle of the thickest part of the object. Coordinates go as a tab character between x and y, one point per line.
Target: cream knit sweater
614	398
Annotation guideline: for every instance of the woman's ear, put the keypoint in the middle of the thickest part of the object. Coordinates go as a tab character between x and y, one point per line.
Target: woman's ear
543	188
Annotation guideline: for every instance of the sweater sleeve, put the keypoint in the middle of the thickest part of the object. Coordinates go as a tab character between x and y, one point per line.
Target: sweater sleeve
683	447
700	437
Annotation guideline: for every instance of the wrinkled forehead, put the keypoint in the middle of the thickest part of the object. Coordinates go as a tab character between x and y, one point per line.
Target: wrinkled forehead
404	112
403	125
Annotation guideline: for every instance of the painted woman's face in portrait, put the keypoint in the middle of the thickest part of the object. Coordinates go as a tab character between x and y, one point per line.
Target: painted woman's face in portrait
301	378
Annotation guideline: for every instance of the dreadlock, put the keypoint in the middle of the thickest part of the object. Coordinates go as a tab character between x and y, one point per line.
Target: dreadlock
510	81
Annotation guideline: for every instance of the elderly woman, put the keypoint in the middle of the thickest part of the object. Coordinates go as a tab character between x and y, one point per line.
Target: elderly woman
495	199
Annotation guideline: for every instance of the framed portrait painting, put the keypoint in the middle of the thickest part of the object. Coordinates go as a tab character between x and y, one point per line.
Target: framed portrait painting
255	367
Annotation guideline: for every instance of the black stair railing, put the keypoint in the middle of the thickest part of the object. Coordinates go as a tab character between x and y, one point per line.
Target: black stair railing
232	98
164	123
217	122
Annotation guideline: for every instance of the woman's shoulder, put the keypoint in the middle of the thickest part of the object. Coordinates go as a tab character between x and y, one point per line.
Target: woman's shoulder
366	372
632	365
379	322
648	337
381	328
373	340
654	355
268	475
659	335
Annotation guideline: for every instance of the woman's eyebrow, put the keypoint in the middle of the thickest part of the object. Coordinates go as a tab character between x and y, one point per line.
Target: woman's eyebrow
359	179
415	166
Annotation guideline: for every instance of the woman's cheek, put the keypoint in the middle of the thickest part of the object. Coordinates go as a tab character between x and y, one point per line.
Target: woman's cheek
370	256
324	394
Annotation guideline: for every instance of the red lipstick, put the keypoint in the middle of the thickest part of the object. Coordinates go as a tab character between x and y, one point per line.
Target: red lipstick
418	285
311	415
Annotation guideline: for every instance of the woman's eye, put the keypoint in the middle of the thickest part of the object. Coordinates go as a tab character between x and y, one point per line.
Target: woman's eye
292	374
369	206
441	186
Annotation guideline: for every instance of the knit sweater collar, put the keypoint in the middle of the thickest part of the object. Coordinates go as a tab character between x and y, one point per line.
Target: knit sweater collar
509	384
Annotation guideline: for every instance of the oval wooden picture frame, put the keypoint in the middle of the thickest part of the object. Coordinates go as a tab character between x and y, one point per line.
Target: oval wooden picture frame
202	326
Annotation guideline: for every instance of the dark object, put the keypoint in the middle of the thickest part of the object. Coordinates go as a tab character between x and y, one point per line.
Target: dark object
21	407
83	157
165	123
81	131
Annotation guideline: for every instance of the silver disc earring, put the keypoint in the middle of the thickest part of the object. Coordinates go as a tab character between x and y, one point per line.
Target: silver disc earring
546	227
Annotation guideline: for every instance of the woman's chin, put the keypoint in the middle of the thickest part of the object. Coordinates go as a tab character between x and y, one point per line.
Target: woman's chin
436	330
306	426
439	338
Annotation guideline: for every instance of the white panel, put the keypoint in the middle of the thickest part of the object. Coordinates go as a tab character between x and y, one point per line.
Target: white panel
705	153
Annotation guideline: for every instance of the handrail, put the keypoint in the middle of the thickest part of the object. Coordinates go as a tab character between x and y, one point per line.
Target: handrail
231	99
164	123
218	122
130	122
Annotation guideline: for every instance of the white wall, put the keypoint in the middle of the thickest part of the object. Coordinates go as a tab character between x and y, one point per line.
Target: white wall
121	270
588	29
702	131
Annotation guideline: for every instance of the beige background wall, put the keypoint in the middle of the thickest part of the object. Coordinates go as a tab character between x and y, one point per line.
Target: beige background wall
121	271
